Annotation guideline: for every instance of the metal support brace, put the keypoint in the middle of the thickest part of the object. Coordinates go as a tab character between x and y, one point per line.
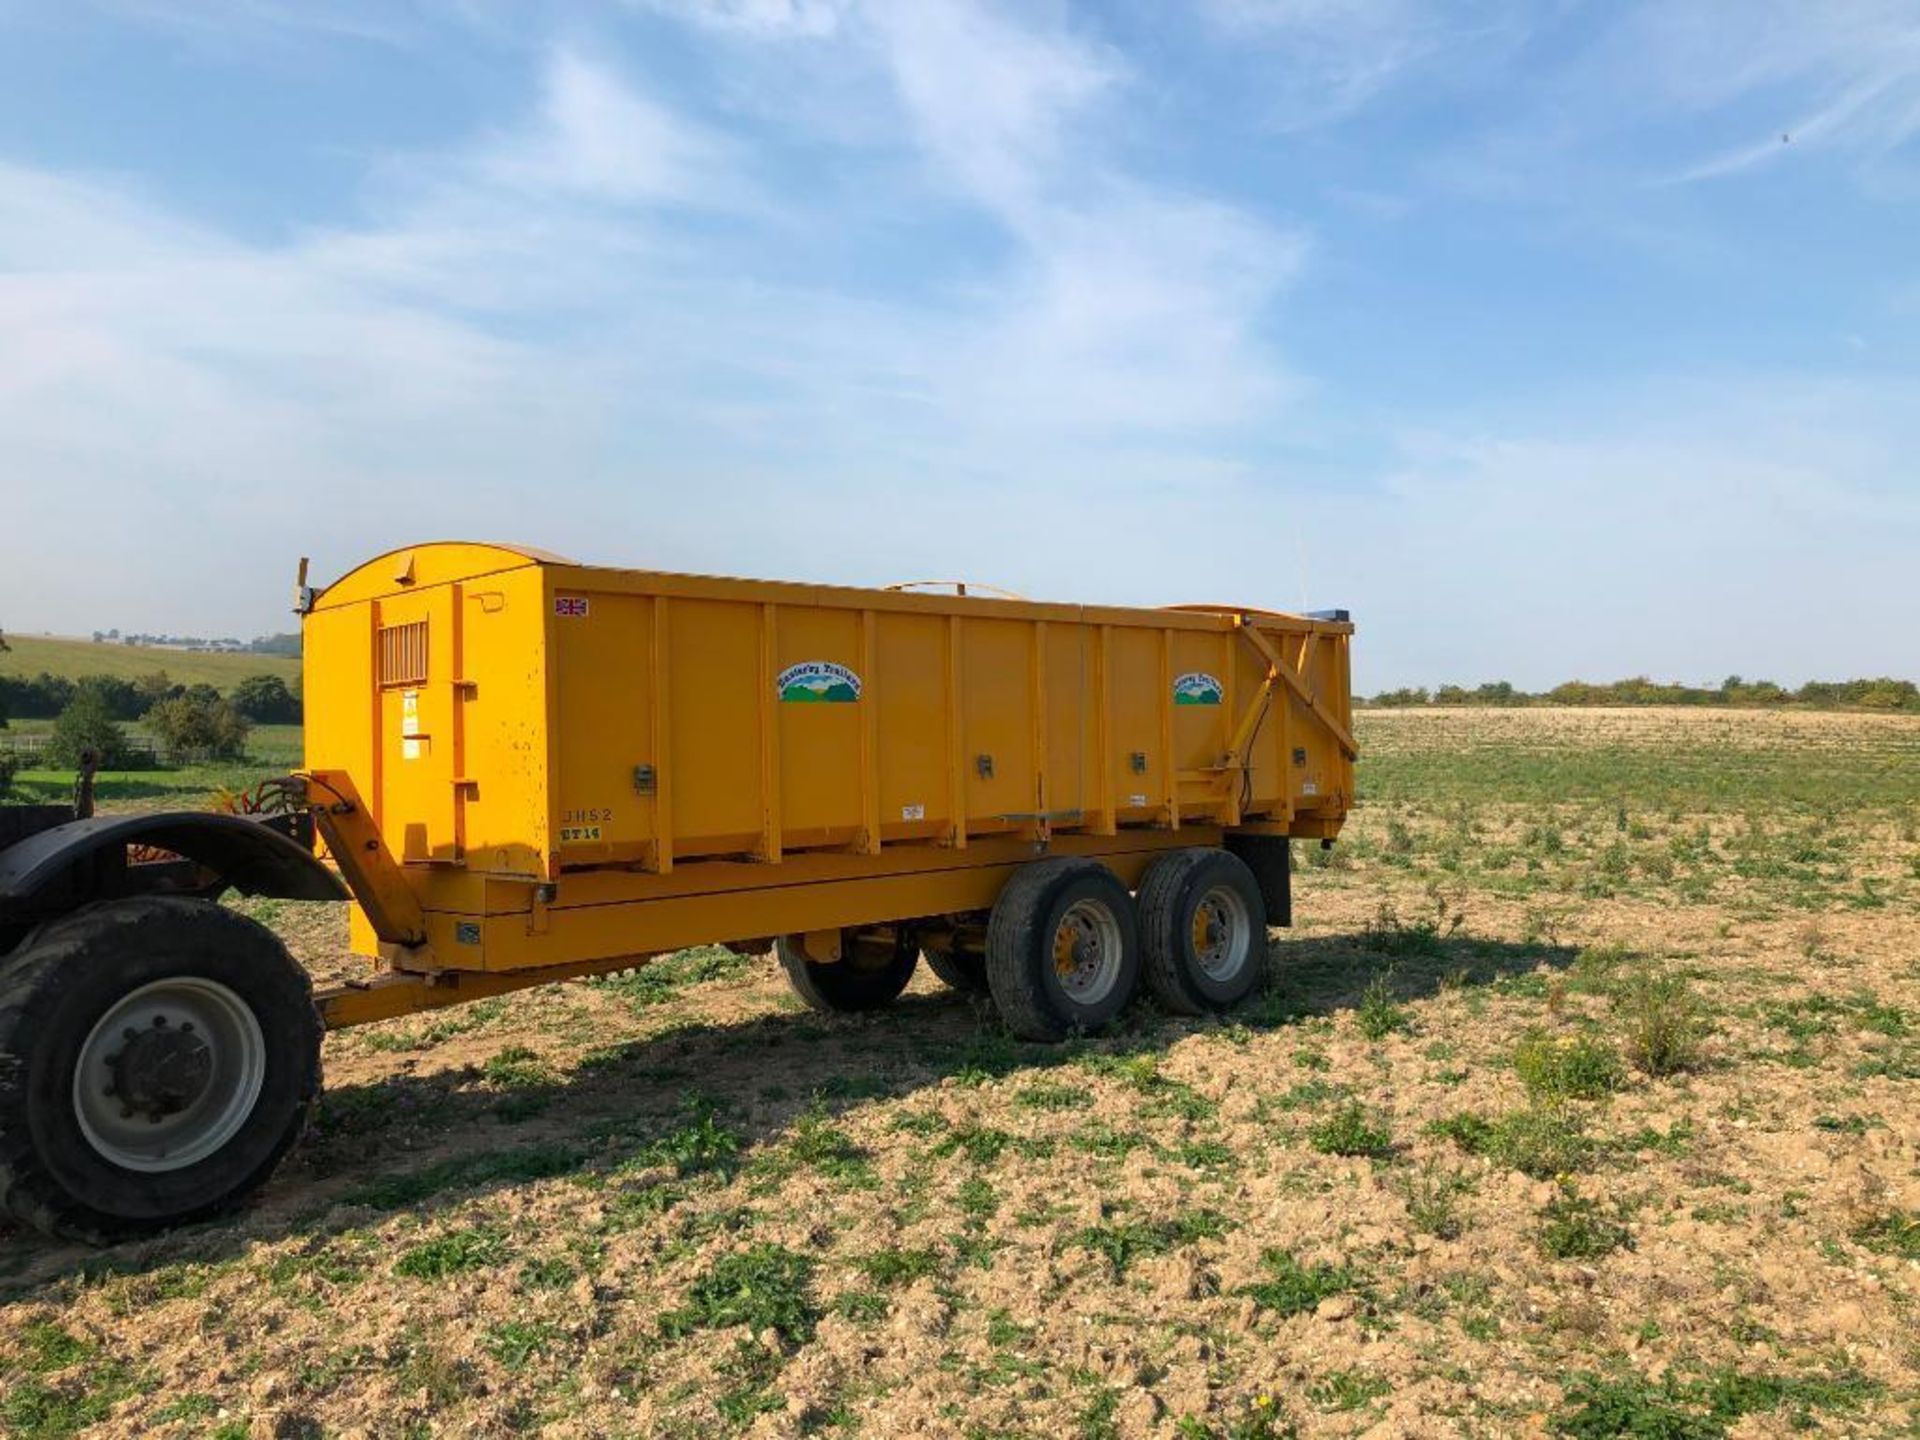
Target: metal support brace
369	869
1279	667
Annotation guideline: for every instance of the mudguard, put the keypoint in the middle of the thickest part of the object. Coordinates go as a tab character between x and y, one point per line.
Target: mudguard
85	860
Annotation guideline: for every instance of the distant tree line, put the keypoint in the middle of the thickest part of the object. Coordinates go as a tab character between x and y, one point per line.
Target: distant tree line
187	720
263	699
1879	694
286	644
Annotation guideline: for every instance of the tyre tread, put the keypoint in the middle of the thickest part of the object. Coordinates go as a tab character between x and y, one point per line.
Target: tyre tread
28	1190
1012	936
1164	962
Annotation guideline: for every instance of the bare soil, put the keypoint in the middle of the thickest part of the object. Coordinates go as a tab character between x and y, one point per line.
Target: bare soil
620	1208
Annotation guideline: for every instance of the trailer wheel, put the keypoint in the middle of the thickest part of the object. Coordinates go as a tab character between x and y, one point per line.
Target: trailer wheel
1063	949
870	973
960	968
158	1056
1204	929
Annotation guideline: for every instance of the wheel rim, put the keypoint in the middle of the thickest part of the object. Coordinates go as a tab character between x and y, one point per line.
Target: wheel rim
1087	951
1222	933
169	1074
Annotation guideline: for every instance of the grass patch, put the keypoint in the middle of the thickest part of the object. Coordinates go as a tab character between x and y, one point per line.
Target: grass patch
1599	1407
1580	1068
765	1287
1351	1130
1894	1232
458	1252
1124	1241
396	1192
1575	1227
1286	1287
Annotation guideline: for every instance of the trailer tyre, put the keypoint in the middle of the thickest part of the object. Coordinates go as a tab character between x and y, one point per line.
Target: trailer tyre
158	1056
1063	949
870	973
1203	927
960	969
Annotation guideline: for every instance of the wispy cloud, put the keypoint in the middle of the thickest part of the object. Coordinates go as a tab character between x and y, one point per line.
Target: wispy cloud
1773	81
599	138
234	25
764	19
558	309
1126	307
1324	60
817	287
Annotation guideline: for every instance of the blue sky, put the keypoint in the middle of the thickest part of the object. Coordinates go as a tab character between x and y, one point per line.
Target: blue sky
1553	339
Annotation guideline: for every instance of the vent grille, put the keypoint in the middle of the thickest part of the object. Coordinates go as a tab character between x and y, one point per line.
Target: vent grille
403	654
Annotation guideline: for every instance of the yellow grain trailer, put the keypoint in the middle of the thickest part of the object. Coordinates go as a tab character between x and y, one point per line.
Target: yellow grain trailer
528	770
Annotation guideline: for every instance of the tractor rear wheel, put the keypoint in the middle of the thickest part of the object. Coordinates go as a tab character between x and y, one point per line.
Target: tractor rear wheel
158	1056
871	972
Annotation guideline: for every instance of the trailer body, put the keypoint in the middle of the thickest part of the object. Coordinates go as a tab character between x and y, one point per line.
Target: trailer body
576	766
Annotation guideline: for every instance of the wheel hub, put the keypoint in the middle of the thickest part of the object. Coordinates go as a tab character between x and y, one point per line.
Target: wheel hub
169	1074
162	1070
1222	933
1086	952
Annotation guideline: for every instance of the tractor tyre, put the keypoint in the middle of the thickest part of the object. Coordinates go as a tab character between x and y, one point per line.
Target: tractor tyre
158	1057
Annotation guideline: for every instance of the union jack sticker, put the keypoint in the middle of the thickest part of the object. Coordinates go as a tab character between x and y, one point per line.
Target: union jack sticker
572	606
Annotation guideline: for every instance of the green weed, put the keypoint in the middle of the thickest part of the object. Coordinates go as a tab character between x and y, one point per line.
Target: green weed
765	1287
1377	1015
1352	1131
454	1253
1347	1390
1289	1288
1433	1201
1580	1068
395	1192
514	1343
1600	1407
1893	1232
1122	1242
895	1266
1662	1023
1574	1227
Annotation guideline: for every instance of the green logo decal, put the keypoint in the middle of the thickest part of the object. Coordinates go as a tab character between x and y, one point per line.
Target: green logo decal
814	682
1197	687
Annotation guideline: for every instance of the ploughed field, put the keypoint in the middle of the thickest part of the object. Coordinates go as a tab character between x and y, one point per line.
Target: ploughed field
1584	1100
